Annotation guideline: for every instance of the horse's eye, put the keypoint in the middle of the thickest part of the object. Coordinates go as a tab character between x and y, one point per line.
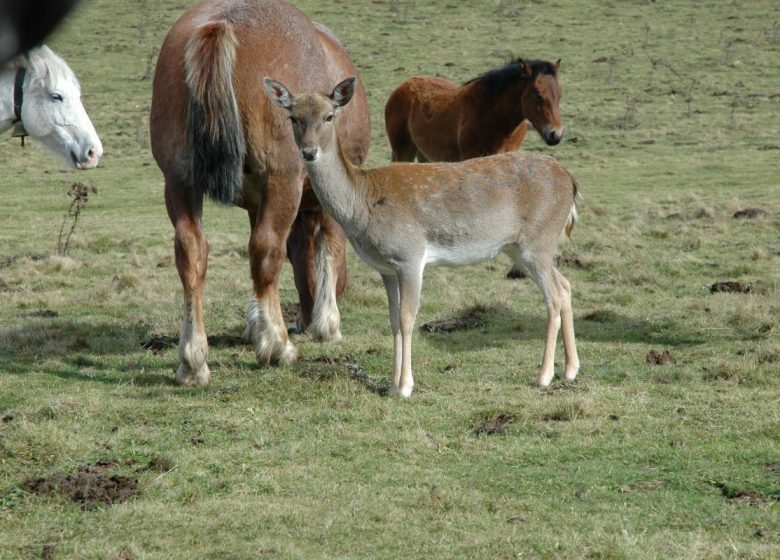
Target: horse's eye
329	118
56	97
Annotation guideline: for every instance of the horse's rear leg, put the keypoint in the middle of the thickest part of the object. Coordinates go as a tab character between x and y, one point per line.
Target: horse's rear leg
191	250
317	250
266	256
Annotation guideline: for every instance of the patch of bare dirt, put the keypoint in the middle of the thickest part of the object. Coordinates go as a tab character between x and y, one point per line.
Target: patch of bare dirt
745	495
90	486
495	424
469	319
656	358
750	213
732	287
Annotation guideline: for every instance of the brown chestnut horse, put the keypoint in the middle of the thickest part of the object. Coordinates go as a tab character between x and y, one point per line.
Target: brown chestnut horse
215	133
432	119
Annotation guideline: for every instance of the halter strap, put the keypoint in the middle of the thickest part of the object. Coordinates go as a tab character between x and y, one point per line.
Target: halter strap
19	92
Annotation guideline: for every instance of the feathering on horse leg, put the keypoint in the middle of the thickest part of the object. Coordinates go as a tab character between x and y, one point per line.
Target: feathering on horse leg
326	320
191	249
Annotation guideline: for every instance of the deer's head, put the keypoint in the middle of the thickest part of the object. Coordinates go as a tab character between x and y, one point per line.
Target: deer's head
312	114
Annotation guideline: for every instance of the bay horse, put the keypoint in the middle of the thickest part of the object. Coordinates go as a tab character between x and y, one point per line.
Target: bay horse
214	133
40	97
432	119
403	217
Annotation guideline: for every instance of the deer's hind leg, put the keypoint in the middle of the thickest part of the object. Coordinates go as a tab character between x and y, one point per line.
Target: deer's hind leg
191	251
538	265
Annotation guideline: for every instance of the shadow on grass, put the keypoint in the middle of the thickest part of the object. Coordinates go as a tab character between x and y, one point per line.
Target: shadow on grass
485	327
95	351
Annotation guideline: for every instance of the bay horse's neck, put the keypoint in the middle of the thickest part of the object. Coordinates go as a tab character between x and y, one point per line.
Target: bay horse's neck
7	116
505	107
336	181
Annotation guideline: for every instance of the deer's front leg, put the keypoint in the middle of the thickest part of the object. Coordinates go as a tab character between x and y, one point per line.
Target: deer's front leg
409	286
393	302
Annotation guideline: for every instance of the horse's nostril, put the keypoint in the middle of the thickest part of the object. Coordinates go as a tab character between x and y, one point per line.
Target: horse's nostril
91	152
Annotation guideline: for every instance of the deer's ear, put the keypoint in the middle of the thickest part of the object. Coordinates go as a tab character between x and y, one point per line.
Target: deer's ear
343	92
558	64
277	93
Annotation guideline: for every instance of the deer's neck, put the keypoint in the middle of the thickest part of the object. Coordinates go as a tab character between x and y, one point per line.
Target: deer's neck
337	184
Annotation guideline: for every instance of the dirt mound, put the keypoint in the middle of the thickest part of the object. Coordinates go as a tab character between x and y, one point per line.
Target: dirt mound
91	485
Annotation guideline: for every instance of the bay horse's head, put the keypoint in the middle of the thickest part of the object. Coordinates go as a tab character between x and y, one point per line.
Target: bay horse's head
540	100
51	109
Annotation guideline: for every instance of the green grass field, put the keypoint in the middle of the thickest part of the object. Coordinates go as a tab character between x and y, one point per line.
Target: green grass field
672	114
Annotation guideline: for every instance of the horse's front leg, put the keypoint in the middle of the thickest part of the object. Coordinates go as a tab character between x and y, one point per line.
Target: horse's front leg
267	252
191	250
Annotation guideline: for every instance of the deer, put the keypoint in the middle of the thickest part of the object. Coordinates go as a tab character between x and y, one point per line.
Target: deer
403	217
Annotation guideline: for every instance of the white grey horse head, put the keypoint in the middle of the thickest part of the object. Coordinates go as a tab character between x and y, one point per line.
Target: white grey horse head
52	111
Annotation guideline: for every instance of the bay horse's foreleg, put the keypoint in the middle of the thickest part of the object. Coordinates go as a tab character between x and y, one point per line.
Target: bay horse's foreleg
267	252
513	142
397	125
191	251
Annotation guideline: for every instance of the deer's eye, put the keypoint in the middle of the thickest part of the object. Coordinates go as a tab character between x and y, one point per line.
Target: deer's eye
329	118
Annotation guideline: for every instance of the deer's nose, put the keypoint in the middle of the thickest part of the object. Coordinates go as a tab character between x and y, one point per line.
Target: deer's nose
310	153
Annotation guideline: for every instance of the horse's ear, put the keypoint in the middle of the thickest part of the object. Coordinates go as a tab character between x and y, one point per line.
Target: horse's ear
343	92
525	68
558	64
277	93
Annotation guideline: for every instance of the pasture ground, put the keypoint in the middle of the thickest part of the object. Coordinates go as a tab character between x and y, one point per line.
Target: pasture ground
671	111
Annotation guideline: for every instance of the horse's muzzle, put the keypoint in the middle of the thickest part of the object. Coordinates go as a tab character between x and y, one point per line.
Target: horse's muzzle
553	138
89	159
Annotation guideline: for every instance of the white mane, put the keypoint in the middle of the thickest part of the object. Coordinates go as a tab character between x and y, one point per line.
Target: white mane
47	66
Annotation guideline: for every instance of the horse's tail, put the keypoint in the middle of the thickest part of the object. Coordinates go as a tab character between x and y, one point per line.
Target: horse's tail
215	134
570	221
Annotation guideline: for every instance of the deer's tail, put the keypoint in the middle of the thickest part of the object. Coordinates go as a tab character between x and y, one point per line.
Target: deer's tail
574	206
215	134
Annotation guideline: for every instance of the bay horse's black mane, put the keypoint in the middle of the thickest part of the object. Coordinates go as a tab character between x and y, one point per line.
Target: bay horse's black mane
497	80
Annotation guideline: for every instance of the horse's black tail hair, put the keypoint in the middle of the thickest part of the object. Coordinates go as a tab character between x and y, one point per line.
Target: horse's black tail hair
215	134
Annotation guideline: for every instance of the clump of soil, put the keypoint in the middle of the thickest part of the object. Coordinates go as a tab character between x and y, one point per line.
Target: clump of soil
745	495
657	358
750	213
731	287
494	424
469	319
91	485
